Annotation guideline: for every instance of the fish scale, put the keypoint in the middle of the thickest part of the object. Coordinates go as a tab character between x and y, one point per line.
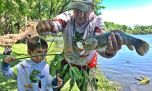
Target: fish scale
141	46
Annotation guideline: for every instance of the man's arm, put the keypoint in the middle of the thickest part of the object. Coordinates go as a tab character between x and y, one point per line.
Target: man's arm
45	26
114	41
53	25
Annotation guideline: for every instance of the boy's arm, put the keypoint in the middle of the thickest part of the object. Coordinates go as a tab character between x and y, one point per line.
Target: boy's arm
5	67
6	70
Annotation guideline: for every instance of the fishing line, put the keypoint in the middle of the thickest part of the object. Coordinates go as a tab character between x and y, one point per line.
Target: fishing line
36	56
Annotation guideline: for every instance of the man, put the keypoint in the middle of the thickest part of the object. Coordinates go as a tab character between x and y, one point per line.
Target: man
76	25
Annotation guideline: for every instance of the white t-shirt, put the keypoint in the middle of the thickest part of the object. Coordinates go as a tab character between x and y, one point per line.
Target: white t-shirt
65	23
26	71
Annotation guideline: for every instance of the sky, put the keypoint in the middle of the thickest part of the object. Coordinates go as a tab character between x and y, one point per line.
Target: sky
128	12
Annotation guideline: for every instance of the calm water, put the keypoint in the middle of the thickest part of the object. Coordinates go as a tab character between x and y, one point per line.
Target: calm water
127	65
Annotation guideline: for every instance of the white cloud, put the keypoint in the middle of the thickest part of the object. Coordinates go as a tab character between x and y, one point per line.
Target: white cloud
130	16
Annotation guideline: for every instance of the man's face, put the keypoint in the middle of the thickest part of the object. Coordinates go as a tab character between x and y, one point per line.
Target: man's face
39	53
80	16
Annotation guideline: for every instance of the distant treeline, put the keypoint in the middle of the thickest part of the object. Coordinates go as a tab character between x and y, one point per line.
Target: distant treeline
137	29
16	13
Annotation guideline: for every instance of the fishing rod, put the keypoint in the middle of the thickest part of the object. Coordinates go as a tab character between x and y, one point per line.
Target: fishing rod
3	56
38	55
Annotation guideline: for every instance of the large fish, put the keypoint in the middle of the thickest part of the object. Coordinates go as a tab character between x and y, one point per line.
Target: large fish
140	46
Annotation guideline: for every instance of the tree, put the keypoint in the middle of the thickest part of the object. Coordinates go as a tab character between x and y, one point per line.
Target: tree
98	6
15	13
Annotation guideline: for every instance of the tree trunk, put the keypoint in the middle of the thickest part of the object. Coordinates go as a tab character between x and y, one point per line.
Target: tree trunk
25	32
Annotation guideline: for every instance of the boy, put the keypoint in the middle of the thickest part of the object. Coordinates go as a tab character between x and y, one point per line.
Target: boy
32	74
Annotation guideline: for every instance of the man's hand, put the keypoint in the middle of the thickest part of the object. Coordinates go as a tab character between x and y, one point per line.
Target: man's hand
43	27
115	43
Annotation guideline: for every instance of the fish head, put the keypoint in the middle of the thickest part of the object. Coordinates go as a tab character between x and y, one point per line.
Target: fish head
90	43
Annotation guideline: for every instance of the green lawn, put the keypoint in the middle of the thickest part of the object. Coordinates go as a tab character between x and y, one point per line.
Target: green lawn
18	49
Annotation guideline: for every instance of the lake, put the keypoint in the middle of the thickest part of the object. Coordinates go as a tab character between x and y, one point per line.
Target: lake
127	65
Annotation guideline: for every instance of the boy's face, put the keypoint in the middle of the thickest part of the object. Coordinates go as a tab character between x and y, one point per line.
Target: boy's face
40	54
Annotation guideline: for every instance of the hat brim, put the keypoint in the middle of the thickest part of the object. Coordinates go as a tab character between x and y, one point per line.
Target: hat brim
81	6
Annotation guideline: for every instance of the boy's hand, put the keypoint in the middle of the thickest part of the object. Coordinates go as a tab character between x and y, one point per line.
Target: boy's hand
7	51
9	59
59	80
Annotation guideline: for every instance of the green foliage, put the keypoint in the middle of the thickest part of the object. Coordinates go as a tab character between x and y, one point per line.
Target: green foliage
103	84
137	29
55	65
15	13
18	49
140	29
98	6
112	26
1	6
7	85
107	85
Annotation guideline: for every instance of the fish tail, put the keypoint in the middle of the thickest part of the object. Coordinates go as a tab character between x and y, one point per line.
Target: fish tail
141	46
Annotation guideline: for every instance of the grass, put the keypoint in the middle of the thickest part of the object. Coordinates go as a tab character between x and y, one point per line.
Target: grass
10	85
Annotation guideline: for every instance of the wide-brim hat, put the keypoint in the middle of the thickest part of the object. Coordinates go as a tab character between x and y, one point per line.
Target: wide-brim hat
83	5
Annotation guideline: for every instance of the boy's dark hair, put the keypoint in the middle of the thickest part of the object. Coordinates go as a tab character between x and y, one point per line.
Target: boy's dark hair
36	42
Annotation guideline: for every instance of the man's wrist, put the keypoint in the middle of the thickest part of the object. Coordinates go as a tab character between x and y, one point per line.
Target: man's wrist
110	53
